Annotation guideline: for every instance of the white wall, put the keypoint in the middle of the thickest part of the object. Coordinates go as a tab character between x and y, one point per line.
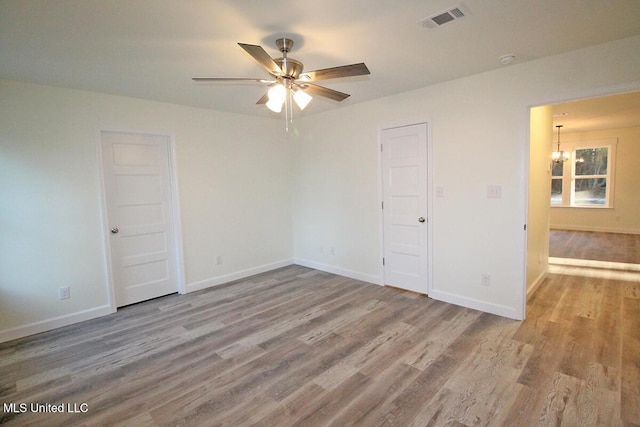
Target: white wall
624	216
480	131
234	176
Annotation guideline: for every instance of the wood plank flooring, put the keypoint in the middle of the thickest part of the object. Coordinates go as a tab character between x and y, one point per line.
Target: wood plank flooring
299	347
613	247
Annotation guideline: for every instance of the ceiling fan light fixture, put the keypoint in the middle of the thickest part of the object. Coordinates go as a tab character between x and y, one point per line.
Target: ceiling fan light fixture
277	93
302	98
274	106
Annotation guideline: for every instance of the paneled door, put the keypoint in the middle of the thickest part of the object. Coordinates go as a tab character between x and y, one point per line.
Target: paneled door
404	171
140	217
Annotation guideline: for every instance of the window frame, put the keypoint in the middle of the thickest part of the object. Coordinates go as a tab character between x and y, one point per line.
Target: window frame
569	176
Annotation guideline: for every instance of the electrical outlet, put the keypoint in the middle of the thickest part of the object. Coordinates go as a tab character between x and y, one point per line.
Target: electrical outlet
333	251
218	259
64	292
485	280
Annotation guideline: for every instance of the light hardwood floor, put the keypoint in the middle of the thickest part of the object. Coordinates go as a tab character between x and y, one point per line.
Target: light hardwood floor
611	247
301	347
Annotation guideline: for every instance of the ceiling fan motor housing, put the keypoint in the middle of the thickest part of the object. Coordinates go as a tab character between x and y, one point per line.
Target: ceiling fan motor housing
291	68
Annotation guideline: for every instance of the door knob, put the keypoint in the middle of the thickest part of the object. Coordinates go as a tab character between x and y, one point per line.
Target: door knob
421	219
115	230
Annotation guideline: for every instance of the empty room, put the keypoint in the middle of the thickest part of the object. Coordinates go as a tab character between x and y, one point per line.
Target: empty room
221	212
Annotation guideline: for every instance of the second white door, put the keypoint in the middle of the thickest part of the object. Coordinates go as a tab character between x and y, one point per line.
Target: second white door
404	170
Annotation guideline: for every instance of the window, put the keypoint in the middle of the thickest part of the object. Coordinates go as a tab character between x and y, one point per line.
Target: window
586	180
590	176
556	183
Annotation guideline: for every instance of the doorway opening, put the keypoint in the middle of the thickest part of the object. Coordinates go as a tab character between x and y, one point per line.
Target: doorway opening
601	231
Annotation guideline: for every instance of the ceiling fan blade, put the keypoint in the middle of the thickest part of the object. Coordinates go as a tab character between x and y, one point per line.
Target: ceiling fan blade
336	72
229	79
263	58
264	99
312	89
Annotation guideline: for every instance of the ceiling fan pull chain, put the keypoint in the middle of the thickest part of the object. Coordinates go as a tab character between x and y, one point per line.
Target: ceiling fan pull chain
287	113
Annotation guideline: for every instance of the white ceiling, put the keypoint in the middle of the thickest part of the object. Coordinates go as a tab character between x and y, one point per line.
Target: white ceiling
150	49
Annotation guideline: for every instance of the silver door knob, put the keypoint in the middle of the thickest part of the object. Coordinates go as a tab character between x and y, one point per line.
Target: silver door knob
421	219
115	230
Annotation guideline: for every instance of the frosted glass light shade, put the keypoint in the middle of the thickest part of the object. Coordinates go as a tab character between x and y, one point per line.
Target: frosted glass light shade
276	98
277	93
276	107
302	98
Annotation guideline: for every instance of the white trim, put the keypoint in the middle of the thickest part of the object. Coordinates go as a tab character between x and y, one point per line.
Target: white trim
525	178
499	310
177	217
430	197
536	283
376	280
380	210
219	280
106	244
53	323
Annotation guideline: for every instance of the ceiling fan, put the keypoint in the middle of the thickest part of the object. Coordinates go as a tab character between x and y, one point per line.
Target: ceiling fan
288	81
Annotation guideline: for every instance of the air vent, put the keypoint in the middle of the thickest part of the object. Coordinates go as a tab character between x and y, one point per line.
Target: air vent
438	19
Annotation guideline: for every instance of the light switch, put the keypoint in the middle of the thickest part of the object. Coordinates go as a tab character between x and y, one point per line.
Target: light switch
494	191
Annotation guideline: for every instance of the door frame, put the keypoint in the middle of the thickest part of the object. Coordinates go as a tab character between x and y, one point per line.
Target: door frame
175	207
430	192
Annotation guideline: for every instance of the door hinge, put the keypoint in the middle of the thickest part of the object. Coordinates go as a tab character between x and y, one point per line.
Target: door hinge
525	227
382	205
381	149
382	261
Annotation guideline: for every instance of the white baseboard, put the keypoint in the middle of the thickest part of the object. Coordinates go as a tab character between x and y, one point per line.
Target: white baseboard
219	280
536	283
437	295
69	319
339	271
53	323
496	309
570	227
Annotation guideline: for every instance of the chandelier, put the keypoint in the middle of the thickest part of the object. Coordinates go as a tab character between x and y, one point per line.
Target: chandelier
560	156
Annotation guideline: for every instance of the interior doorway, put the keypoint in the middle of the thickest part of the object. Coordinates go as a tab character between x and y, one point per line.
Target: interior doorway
579	232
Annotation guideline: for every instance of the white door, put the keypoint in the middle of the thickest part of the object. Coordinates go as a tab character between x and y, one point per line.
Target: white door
139	215
404	170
